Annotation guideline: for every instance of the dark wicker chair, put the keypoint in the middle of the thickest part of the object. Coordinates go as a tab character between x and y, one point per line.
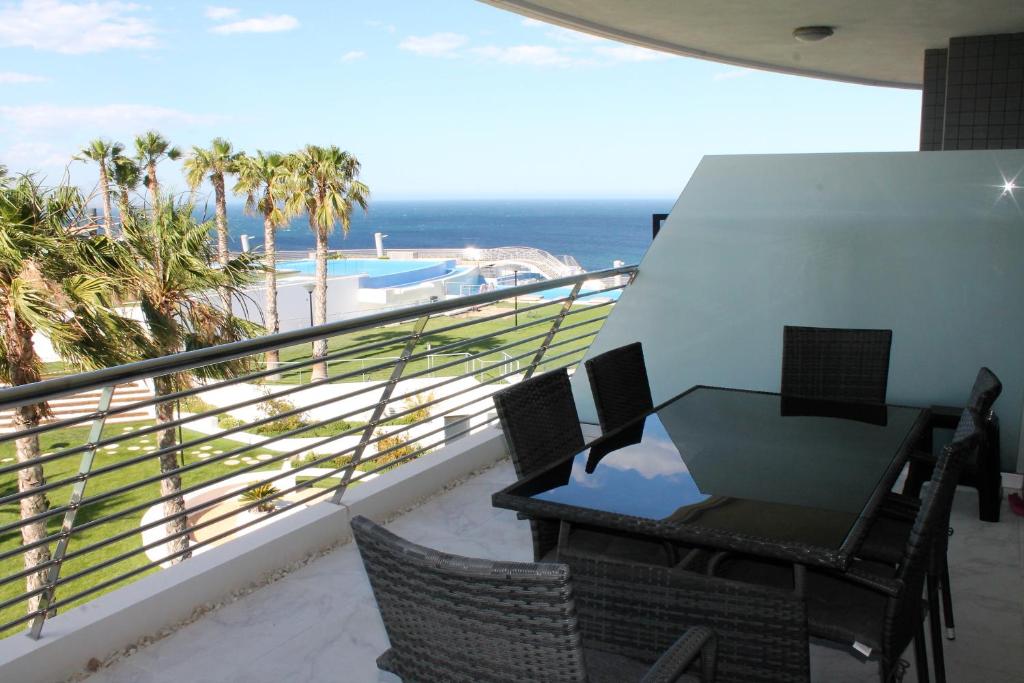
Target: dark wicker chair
452	618
873	604
835	364
983	473
541	426
618	380
634	610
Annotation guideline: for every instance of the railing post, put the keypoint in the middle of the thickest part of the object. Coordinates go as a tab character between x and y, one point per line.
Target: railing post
555	324
77	492
378	410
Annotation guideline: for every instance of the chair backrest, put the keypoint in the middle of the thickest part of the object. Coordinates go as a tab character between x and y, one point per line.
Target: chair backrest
928	535
540	421
835	364
637	610
454	618
984	393
618	380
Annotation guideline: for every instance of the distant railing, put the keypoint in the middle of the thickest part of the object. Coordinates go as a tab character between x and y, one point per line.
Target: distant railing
123	499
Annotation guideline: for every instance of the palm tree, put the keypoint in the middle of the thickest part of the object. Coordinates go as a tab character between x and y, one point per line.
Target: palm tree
265	181
54	283
126	175
171	268
150	149
103	152
326	187
217	161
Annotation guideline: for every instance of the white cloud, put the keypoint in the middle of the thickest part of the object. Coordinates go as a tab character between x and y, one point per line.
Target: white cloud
13	77
74	28
353	56
220	13
629	53
434	45
731	74
531	55
32	156
271	23
118	119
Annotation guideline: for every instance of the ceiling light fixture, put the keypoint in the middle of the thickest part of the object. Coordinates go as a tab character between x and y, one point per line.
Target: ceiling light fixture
812	34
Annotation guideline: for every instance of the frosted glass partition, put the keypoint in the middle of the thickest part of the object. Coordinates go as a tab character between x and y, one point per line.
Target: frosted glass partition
927	244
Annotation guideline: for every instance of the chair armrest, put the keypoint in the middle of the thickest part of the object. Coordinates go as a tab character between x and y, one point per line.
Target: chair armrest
882	584
670	667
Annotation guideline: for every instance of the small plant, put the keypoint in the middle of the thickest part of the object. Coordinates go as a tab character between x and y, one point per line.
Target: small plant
276	407
263	495
401	447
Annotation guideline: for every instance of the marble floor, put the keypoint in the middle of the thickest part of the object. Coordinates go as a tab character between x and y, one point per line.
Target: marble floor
320	623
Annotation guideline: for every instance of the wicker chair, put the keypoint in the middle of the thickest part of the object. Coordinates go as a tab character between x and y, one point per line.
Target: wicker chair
876	605
634	609
983	473
835	364
618	380
452	618
541	426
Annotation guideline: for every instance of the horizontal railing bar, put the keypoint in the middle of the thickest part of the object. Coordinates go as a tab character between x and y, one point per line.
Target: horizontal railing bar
244	470
260	399
237	492
164	539
231	454
206	504
192	546
290	434
46	390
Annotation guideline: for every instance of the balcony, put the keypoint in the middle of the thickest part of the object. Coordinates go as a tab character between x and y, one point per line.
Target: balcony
320	619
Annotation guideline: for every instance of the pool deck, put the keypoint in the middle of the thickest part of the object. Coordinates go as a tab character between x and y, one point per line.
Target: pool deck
320	622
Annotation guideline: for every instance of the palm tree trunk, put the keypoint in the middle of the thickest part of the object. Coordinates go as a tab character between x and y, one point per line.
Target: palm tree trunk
174	508
320	300
123	205
22	361
108	225
270	313
221	218
154	187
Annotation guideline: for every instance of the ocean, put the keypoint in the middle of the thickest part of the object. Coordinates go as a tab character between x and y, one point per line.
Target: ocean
595	232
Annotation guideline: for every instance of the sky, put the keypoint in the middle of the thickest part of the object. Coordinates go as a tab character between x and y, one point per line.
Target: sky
440	99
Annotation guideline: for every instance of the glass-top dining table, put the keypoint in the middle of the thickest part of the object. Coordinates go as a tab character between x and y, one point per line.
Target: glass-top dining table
728	469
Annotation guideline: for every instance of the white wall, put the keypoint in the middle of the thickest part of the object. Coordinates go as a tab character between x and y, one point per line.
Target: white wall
922	243
293	301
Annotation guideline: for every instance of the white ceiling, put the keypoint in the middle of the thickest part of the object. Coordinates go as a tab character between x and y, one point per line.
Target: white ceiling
877	42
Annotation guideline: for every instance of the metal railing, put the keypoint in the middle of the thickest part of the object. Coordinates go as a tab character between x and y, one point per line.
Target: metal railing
88	504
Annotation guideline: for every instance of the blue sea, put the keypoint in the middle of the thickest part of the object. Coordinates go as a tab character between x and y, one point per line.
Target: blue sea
596	232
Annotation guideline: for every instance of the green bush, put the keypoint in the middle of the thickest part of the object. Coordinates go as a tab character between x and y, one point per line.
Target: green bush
226	421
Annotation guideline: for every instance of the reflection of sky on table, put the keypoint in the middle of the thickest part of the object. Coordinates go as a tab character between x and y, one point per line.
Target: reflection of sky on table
647	479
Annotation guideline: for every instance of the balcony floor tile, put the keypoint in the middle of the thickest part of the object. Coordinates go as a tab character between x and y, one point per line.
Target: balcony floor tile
320	623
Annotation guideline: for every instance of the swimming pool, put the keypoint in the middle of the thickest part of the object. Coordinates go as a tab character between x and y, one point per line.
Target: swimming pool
377	273
562	292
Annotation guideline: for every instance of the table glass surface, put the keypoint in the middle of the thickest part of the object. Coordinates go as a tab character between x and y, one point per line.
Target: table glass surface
740	462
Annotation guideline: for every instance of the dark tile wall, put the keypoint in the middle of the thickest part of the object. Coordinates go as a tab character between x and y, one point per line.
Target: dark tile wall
984	93
933	99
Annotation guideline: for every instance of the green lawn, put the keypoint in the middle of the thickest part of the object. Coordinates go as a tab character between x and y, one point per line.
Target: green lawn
60	469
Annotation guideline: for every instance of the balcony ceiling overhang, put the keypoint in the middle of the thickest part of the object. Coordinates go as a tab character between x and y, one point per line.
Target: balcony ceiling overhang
876	42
